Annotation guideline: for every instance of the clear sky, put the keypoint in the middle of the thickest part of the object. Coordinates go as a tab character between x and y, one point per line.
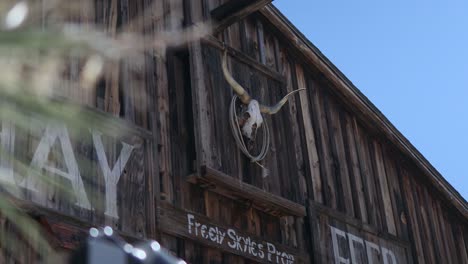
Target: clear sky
410	58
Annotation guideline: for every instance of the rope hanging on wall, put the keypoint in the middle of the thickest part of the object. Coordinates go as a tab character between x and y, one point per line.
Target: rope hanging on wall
237	133
254	120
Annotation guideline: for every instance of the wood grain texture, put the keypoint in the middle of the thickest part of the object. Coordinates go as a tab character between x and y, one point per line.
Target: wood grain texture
234	10
314	166
351	96
226	185
335	161
175	223
383	188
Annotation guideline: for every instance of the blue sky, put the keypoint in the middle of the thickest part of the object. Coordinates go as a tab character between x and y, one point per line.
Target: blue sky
410	58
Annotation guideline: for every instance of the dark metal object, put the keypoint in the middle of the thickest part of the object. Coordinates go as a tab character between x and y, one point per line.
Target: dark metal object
104	246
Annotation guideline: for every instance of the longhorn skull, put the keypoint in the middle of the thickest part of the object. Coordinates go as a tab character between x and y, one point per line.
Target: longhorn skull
253	114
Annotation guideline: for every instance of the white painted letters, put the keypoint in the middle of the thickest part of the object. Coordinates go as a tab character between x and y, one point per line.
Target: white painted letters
352	239
111	177
52	133
190	224
57	132
372	250
370	247
336	249
237	242
386	254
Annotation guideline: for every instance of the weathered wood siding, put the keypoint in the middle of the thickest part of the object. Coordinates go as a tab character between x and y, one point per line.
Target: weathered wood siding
348	167
76	156
210	143
337	189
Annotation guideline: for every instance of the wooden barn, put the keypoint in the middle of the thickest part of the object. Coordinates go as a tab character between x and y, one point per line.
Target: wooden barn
338	184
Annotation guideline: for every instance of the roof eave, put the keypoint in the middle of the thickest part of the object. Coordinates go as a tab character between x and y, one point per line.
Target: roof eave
345	87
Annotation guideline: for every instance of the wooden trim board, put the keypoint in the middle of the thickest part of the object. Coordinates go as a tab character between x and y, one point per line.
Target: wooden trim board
228	186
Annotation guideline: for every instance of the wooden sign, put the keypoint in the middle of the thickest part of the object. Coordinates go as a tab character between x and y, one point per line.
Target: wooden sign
343	240
203	230
359	248
87	174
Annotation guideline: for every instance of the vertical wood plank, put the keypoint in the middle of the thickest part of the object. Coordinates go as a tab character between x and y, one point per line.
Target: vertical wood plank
232	34
339	155
422	223
325	161
449	237
164	146
353	164
261	41
414	231
367	175
280	147
200	106
249	42
270	53
296	137
461	243
398	205
434	225
438	230
312	153
112	75
383	184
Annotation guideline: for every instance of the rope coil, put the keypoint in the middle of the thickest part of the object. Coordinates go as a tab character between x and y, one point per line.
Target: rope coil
237	133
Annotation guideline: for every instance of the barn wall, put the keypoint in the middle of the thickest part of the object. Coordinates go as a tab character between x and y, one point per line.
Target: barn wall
365	177
348	165
335	188
124	104
207	98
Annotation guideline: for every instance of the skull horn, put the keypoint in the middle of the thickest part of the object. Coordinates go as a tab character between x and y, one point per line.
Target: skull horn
274	109
238	89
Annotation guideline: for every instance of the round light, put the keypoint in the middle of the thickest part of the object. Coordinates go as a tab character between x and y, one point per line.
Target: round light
128	248
16	15
108	231
181	262
138	253
155	246
93	232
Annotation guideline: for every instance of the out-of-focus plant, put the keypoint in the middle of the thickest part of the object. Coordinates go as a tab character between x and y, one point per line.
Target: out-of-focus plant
37	42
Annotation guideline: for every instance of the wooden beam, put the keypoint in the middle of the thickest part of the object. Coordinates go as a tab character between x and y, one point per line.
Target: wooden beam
229	8
233	11
349	93
235	189
245	59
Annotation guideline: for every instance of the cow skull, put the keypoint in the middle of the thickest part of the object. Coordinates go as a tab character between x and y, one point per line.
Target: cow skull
253	119
253	114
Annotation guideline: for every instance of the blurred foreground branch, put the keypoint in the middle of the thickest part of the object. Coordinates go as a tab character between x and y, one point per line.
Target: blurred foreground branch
40	42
